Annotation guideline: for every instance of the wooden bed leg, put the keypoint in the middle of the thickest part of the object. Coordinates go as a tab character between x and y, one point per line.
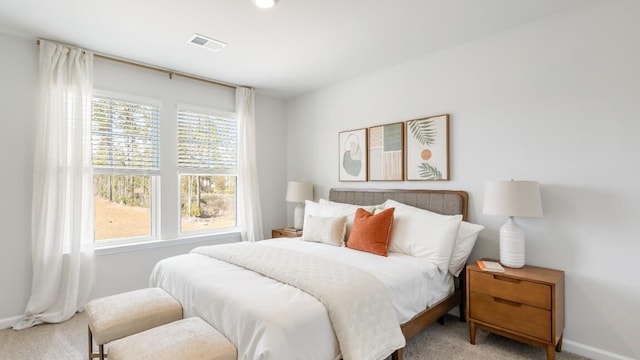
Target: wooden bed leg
397	355
441	320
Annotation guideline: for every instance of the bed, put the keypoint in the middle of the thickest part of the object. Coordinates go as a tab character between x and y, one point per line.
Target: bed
268	319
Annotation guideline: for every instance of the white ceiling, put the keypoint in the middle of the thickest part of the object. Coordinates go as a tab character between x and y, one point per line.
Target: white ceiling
296	47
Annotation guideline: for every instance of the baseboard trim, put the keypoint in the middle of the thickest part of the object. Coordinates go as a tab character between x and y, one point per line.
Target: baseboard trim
590	352
8	322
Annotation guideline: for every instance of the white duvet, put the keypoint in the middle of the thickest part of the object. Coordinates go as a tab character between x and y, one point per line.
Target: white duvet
267	319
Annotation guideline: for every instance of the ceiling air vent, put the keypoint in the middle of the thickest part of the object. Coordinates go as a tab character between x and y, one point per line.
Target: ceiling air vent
207	42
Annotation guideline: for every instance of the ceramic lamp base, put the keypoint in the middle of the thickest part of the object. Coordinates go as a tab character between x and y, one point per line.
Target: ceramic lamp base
298	216
512	244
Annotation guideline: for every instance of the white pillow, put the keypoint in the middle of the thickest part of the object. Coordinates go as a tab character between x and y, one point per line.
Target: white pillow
328	230
466	239
311	208
332	209
422	233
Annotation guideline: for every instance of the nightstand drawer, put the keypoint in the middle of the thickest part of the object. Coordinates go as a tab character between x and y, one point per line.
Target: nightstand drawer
509	288
510	315
285	232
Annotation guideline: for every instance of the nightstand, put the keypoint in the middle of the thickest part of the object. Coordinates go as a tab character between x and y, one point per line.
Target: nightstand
524	304
286	232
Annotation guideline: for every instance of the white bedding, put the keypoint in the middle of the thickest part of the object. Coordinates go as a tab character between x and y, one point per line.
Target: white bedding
358	304
266	319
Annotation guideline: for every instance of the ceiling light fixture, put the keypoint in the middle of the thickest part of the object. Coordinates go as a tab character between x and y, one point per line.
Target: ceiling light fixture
265	4
206	42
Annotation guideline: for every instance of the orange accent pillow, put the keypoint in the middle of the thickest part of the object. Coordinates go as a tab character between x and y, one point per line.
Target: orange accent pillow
371	233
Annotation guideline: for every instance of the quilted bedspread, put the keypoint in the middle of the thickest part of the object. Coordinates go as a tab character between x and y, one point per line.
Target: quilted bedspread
358	304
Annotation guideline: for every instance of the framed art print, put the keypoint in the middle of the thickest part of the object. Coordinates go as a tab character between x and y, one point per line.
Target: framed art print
386	146
427	156
353	155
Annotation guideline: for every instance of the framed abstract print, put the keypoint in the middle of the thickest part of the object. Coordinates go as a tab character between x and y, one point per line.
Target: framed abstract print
427	156
353	155
386	147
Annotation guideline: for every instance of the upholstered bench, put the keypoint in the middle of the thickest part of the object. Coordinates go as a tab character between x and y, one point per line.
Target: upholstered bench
187	339
118	316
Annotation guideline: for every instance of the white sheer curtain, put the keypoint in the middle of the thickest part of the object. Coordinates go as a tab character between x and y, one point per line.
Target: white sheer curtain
62	204
249	210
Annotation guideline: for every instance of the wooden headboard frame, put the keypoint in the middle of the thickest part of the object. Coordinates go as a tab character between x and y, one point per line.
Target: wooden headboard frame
447	202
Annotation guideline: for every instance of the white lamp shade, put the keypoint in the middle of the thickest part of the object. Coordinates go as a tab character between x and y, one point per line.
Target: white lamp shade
513	198
298	191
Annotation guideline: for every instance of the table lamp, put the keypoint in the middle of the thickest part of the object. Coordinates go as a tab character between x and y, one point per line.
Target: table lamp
512	198
298	192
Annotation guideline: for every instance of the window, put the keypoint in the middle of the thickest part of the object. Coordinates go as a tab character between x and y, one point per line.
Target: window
198	170
207	166
125	140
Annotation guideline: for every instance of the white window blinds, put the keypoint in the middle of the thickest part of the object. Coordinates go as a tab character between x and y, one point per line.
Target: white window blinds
206	142
125	134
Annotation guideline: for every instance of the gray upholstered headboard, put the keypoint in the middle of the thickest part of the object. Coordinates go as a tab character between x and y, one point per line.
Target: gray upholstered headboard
447	202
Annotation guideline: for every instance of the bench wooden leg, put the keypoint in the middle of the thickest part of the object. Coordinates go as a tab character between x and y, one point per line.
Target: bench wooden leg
90	343
92	355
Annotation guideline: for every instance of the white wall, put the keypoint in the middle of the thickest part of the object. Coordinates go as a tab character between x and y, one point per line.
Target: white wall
18	79
272	164
115	271
555	101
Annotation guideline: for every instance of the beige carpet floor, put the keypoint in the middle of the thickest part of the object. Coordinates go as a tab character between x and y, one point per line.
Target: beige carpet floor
449	342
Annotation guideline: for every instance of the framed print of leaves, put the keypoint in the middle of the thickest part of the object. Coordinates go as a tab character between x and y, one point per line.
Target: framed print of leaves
353	155
427	154
386	144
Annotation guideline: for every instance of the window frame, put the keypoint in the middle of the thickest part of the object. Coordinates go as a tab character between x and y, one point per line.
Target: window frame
153	174
187	171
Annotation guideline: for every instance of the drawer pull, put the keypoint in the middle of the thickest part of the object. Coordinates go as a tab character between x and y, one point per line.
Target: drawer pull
504	278
503	301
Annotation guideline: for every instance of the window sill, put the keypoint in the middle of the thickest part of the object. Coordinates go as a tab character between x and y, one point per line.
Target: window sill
219	238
